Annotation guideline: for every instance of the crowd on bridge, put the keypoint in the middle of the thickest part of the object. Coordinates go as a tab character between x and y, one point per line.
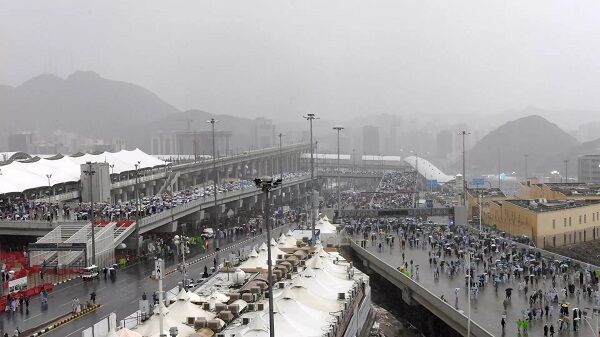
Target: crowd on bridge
396	190
23	210
553	290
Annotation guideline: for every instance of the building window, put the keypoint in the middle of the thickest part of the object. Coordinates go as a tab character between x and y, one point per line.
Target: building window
570	225
585	218
565	222
553	223
580	219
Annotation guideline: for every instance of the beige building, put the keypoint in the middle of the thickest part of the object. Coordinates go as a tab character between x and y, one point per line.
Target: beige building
548	223
532	190
483	195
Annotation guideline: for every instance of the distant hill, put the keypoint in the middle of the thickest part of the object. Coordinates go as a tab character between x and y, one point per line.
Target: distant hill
544	142
84	103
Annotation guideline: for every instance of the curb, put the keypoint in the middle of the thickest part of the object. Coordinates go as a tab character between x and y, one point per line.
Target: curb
65	321
192	262
65	281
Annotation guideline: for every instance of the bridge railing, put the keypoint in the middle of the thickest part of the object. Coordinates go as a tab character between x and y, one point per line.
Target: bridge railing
142	179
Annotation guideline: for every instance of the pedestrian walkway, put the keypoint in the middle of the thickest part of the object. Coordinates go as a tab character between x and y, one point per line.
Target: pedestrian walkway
487	302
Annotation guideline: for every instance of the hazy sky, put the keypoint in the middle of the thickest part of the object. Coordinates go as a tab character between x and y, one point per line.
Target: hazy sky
341	57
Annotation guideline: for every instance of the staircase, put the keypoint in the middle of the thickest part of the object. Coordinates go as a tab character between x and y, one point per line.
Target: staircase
169	182
122	230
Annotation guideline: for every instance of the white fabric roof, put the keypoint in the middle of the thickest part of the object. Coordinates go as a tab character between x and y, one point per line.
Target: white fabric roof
18	176
428	170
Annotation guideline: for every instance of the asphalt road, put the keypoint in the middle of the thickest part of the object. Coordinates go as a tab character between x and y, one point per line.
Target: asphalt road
120	296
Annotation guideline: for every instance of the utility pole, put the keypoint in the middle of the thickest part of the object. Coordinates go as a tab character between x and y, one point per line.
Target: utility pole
310	118
464	185
338	128
499	173
566	171
280	176
90	173
213	121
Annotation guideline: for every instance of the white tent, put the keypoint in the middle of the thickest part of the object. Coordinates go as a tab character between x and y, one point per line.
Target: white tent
19	176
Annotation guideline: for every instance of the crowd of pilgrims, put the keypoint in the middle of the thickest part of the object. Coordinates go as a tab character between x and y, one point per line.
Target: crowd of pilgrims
396	190
549	284
23	210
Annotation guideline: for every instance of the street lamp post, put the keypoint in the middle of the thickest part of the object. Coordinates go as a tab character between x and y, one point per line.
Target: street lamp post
137	210
181	245
266	184
310	118
566	170
90	173
338	128
49	196
464	189
212	122
526	157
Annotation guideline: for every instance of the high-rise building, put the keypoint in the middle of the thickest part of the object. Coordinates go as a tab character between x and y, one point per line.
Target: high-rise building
371	140
263	133
588	168
20	142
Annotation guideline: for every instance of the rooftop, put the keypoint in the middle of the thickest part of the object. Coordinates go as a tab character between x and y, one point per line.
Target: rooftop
575	189
487	192
552	205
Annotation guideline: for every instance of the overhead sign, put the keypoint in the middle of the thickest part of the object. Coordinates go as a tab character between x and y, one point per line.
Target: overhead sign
432	183
478	181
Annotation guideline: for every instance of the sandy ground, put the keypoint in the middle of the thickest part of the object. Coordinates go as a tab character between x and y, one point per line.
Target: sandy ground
392	326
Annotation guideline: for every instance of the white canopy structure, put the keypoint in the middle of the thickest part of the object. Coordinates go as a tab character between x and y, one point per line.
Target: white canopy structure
428	170
20	176
325	227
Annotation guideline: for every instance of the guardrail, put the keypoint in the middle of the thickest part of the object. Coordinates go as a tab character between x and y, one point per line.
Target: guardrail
142	179
426	298
59	197
225	160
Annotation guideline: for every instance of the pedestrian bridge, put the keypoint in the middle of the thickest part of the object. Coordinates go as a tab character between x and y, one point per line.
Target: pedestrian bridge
486	309
397	212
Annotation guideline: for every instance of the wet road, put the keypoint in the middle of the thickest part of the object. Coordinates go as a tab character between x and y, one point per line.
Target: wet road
487	308
120	296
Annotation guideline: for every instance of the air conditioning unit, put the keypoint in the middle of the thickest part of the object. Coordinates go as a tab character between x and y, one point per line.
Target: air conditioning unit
302	262
220	335
245	320
251	307
191	320
206	306
260	307
341	296
281	285
295	269
288	276
279	256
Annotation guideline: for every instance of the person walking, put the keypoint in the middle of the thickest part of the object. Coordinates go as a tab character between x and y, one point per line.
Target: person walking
93	297
503	323
551	330
545	330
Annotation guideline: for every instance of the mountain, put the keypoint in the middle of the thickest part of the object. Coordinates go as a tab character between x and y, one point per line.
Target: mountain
544	142
84	103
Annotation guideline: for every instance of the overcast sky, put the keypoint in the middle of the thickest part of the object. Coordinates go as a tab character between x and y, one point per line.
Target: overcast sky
339	57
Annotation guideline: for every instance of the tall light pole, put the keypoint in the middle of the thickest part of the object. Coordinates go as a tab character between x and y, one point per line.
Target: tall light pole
464	134
137	209
180	243
281	174
266	184
526	157
310	118
90	173
212	122
338	128
49	175
566	170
